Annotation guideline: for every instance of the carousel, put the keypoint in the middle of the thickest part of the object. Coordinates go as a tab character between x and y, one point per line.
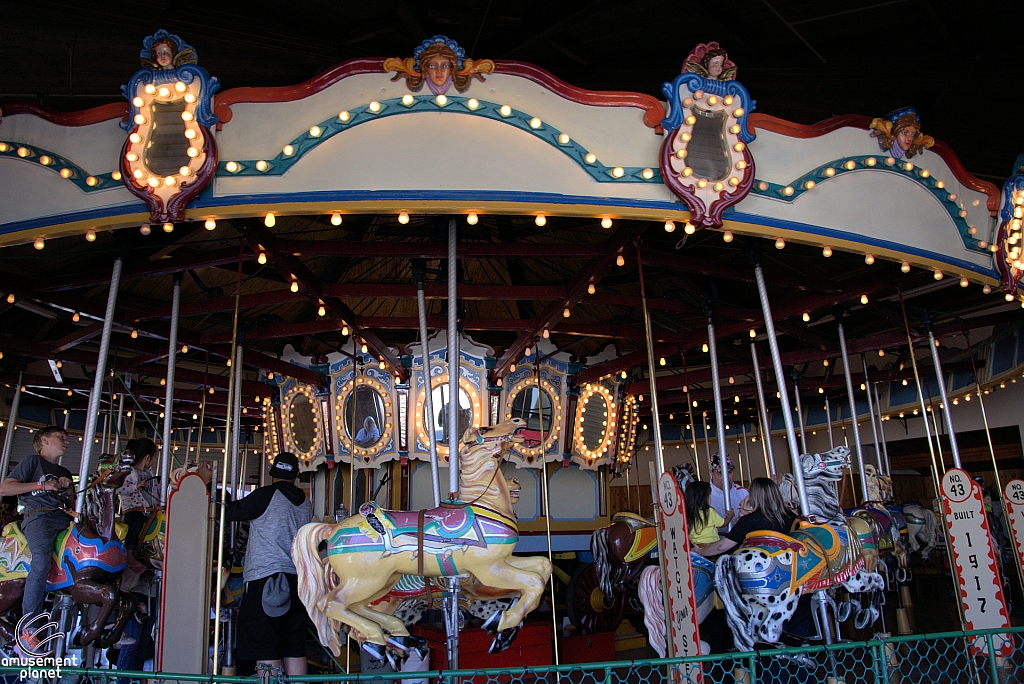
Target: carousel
504	323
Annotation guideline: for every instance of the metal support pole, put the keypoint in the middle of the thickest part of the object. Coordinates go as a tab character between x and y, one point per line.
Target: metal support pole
766	432
117	428
655	418
780	378
800	413
871	412
428	399
945	399
707	438
453	364
97	386
746	454
765	436
541	396
12	421
236	426
881	429
859	453
172	353
828	416
719	413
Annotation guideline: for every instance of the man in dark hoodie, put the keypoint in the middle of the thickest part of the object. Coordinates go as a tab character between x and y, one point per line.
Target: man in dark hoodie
272	619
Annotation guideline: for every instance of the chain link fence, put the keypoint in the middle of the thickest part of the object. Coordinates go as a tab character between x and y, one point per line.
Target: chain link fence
974	657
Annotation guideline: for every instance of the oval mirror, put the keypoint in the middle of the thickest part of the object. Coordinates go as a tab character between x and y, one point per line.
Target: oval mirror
303	423
534	407
594	422
167	147
439	421
364	416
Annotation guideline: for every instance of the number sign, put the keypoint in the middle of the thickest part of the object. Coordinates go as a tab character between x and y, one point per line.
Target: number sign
981	592
1014	497
675	550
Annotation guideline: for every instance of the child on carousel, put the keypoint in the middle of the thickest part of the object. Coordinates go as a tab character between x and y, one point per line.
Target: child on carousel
139	495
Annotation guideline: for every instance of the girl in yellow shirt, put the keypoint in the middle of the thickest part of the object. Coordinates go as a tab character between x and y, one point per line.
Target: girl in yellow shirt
703	520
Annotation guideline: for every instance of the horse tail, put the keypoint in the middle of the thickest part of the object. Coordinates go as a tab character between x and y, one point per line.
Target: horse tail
316	579
602	562
653	602
737	613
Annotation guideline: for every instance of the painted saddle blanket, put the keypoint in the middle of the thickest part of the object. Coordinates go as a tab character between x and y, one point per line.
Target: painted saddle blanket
813	557
71	551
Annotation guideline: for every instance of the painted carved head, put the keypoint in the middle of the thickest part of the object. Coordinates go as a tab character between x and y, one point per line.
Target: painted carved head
163	52
714	62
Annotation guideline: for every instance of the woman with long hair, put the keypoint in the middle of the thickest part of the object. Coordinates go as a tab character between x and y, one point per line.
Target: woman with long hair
767	512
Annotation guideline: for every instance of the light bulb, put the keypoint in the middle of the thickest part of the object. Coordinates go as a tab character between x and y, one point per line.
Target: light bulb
620	260
135	334
670	226
661	361
964	282
527	352
295	286
184	349
541	220
344	330
869	259
566	313
269	221
472	218
727	236
704	348
75	317
905	267
39	243
606	222
363	347
90	235
403	217
322	311
689	228
826	251
780	243
624	376
937	274
806	317
210	224
335	219
881	352
863	299
825	363
591	289
261	258
381	364
546	333
753	333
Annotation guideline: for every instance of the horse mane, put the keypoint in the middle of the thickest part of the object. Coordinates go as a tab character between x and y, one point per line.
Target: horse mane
476	465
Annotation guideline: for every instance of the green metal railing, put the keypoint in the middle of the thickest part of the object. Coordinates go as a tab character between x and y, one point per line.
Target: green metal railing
994	656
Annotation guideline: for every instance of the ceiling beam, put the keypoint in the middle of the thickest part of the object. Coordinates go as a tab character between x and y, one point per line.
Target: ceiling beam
590	273
257	237
439	250
83	334
680	263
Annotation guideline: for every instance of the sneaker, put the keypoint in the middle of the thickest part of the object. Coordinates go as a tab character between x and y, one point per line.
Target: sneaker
30	645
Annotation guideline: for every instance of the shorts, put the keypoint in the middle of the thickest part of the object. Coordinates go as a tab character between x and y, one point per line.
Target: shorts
261	637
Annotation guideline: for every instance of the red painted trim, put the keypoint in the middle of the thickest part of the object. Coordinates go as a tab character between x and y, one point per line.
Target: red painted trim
84	117
795	130
353	67
654	110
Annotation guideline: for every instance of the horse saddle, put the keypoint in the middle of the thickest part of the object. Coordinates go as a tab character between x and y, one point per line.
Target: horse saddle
441	529
820	554
634	521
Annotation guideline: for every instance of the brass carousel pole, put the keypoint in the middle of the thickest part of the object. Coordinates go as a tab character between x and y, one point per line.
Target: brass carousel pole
224	474
541	394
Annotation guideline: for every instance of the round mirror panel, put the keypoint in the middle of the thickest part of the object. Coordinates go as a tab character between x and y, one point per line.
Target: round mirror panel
364	416
439	422
303	425
594	422
533	406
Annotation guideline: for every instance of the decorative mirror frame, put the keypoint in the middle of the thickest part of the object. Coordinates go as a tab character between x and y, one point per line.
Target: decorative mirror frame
271	436
365	457
435	382
317	449
592	458
550	384
628	421
189	83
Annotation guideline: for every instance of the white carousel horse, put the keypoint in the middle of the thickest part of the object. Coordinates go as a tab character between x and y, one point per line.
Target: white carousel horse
368	553
760	583
922	529
654	603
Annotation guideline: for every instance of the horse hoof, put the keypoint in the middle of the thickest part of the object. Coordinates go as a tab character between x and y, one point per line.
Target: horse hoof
491	624
406	644
395	659
375	651
844	610
504	639
865	618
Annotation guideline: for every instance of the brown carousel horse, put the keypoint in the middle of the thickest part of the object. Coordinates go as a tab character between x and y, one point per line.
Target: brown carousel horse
87	562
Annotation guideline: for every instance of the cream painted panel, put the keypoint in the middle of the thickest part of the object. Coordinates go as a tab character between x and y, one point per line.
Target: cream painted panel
616	134
32	191
879	206
573	494
434	151
96	148
782	159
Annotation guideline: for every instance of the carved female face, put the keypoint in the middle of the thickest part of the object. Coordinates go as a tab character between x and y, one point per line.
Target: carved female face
716	66
905	138
163	55
438	70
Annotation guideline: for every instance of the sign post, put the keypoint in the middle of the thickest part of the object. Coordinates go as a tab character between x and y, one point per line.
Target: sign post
684	632
1013	496
981	592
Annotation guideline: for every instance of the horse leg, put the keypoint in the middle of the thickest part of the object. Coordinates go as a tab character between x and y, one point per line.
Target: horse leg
125	610
339	603
90	592
539	565
11	592
503	575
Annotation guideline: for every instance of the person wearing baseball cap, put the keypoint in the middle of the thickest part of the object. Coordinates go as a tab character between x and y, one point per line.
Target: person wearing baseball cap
272	619
736	493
